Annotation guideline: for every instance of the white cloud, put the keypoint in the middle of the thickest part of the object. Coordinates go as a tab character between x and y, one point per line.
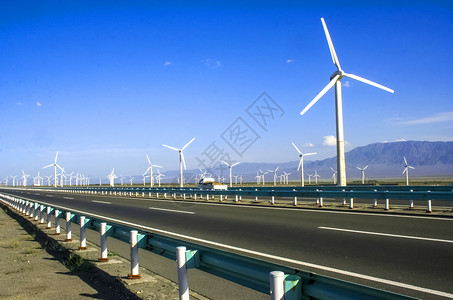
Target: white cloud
38	103
436	118
330	140
309	145
288	61
167	63
212	63
401	140
347	84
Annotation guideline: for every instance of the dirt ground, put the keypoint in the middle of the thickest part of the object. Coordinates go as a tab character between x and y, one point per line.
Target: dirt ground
35	264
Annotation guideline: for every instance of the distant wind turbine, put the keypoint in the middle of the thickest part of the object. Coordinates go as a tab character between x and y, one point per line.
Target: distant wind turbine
316	177
301	164
150	168
182	162
230	166
275	175
334	175
55	165
335	79
363	173
406	170
112	177
24	177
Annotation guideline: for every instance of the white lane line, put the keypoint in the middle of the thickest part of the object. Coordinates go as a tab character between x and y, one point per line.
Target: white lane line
388	234
102	202
68	198
172	210
36	194
49	195
270	256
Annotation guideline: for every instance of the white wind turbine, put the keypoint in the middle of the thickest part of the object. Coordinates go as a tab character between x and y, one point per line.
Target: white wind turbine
335	79
301	164
37	180
159	177
406	170
150	168
316	177
24	177
5	181
112	177
363	173
262	175
275	175
334	175
182	162
231	174
14	180
55	165
286	178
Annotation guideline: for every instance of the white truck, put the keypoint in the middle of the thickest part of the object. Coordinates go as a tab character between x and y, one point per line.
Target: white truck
210	183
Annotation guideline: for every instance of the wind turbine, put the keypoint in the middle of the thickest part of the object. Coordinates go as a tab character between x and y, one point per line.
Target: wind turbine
24	177
159	177
55	165
150	168
231	167
309	178
335	79
301	164
14	180
286	177
112	177
37	180
182	162
334	175
262	175
258	178
363	173
275	175
316	177
406	169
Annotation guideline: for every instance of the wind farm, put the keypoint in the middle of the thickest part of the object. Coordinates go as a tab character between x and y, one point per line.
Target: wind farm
89	92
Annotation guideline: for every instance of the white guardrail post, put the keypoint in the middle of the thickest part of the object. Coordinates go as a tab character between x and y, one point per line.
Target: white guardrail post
68	228
57	222
83	239
104	257
135	272
387	204
277	279
183	282
41	214
49	221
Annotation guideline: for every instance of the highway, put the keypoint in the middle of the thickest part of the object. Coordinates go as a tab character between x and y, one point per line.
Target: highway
403	254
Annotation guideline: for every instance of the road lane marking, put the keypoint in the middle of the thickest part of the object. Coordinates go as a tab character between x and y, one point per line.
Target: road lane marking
102	202
49	195
68	198
36	194
270	256
387	234
172	210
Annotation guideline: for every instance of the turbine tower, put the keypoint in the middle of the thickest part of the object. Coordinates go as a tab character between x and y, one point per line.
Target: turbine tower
275	175
112	177
231	175
182	162
363	173
335	79
24	178
150	168
301	164
406	170
55	165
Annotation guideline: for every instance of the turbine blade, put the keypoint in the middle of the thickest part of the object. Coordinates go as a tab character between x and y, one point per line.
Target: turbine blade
173	148
359	168
324	90
369	82
148	159
183	161
410	167
48	166
365	167
332	49
187	144
300	164
156	166
147	170
297	148
56	157
234	164
405	161
225	163
313	153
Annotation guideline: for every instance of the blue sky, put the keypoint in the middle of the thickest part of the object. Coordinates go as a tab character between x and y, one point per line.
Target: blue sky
104	84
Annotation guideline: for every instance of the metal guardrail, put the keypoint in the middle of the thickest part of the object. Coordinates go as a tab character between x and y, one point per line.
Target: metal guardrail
247	271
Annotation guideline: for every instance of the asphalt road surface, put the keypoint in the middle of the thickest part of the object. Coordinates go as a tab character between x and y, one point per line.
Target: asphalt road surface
403	254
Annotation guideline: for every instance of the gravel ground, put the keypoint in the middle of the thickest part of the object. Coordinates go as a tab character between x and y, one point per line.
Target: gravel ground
35	264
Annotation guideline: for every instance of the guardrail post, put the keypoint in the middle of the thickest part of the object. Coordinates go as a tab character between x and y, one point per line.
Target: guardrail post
49	221
221	198
320	202
387	204
344	199
195	196
41	214
83	239
57	222
182	273
68	228
272	199
429	207
135	274
184	196
207	197
104	252
277	291
36	211
351	203
165	195
295	201
411	205
236	198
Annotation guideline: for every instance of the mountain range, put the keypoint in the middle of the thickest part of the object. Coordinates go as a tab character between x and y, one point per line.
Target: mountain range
383	160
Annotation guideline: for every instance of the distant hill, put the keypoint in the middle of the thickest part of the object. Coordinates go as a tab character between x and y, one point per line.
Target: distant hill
383	160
